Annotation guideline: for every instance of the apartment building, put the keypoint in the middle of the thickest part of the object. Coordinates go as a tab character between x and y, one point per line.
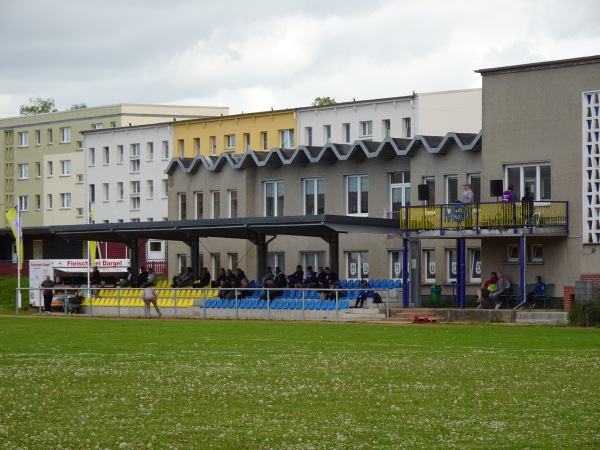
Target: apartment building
43	156
428	114
236	133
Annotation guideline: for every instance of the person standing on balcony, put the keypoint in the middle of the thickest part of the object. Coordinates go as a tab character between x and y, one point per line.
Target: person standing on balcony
527	206
467	195
508	196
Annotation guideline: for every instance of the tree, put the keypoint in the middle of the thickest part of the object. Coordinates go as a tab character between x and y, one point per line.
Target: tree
320	101
75	106
38	105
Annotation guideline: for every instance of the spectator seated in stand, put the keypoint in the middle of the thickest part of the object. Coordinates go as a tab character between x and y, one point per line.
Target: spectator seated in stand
152	277
74	303
366	292
204	279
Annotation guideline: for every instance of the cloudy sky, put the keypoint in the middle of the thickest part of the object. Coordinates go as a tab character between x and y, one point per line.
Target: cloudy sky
254	55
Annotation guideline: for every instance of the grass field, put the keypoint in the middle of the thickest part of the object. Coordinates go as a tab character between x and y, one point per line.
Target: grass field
81	383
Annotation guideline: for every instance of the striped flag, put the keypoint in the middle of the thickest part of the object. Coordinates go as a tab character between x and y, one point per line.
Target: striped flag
13	216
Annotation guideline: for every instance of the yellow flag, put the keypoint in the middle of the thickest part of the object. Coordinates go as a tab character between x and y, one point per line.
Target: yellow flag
14	220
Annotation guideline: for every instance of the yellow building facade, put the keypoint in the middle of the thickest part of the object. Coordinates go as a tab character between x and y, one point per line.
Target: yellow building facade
236	133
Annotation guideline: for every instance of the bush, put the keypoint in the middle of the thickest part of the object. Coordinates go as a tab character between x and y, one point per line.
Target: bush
585	313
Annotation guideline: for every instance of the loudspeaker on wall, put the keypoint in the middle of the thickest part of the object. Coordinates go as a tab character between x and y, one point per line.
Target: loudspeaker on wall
496	188
423	192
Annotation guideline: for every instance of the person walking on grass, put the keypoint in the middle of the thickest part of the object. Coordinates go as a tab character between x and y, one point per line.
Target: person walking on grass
149	296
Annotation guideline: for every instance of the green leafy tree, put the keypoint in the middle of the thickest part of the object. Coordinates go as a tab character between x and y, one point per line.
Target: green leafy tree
38	105
75	106
320	101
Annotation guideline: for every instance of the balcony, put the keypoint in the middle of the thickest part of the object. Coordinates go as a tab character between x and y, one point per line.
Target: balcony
547	218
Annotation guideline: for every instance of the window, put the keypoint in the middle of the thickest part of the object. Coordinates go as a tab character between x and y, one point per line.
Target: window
537	177
233	202
182	203
475	180
135	203
366	128
113	124
314	259
395	264
150	189
407	127
274	191
120	154
264	140
232	260
105	155
106	191
246	141
327	133
346	132
65	200
215	200
38	202
213	145
276	259
134	150
79	178
429	262
50	136
308	137
92	188
399	190
430	182
215	262
181	147
357	265
165	149
24	139
79	145
357	195
65	167
475	265
97	126
49	201
287	138
38	137
165	188
38	169
65	134
314	196
120	191
199	205
451	265
23	171
150	151
135	165
451	188
386	128
24	202
79	212
135	187
92	156
536	253
50	169
197	146
230	141
512	253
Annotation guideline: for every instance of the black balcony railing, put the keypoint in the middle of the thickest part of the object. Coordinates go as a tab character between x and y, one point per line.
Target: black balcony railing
484	216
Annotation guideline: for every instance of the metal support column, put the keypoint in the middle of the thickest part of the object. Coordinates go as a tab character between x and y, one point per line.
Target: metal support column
461	282
135	256
194	244
334	253
405	272
262	250
522	274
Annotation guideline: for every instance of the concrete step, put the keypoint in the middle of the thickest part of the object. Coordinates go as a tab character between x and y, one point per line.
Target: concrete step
362	314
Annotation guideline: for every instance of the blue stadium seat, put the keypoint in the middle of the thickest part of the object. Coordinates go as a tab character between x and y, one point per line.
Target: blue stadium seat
376	284
356	283
254	304
310	304
397	284
297	304
317	304
231	303
262	304
242	304
252	283
272	304
285	304
343	304
343	284
219	303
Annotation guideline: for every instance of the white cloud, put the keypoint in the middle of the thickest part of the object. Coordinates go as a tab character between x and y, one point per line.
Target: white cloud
269	53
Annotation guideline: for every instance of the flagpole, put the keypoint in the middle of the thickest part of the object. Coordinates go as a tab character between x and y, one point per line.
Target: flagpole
19	262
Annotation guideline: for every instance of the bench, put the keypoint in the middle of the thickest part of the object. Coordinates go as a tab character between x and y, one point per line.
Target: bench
512	294
548	293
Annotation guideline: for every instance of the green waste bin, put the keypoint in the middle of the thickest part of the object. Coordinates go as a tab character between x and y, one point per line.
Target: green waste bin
436	293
